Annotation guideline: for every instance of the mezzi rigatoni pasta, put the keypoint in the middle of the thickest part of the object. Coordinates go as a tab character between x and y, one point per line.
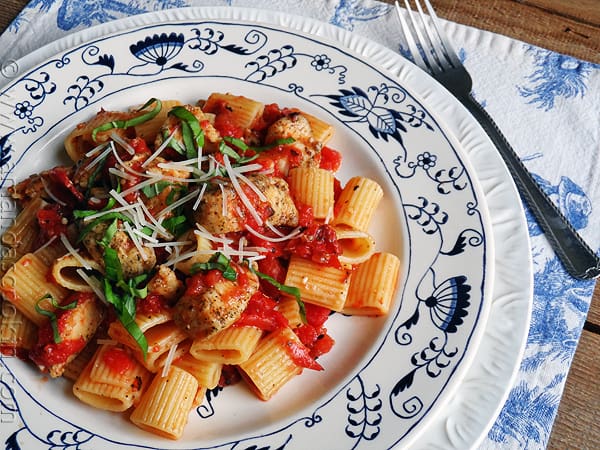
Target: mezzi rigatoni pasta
189	245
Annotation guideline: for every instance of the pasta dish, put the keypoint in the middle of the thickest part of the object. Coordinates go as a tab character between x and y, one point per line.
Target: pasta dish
186	248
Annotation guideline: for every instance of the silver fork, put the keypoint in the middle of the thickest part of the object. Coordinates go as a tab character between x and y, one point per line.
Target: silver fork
437	57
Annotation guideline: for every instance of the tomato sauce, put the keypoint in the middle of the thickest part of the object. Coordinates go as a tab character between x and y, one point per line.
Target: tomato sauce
151	304
47	352
301	356
62	187
225	120
319	244
52	221
118	360
261	313
330	159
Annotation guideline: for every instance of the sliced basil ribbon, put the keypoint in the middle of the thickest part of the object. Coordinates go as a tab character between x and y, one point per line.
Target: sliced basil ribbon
291	290
89	227
219	262
120	293
191	131
134	121
50	314
239	143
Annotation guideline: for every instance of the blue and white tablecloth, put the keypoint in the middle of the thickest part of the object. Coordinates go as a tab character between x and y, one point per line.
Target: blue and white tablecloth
547	104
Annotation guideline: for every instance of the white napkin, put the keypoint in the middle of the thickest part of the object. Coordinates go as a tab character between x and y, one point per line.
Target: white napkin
548	106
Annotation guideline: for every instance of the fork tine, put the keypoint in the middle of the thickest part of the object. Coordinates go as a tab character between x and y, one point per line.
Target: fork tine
428	57
448	52
408	35
437	61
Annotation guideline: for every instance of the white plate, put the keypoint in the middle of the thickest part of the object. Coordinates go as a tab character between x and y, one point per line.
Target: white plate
399	378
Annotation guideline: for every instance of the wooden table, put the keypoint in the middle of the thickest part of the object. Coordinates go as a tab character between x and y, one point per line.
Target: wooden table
566	26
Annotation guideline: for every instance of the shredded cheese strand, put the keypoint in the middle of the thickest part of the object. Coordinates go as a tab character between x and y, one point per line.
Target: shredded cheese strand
122	142
74	252
240	192
49	192
159	150
93	283
295	232
169	360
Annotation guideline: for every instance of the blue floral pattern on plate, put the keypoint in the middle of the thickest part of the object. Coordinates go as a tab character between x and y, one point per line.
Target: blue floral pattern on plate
434	208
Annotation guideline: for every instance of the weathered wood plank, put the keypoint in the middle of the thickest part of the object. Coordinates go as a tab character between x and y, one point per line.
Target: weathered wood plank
528	21
576	426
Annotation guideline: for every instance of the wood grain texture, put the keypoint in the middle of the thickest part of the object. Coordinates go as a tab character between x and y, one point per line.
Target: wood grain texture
567	26
576	426
552	24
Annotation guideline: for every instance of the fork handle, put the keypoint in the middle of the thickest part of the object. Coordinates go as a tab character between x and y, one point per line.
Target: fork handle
578	258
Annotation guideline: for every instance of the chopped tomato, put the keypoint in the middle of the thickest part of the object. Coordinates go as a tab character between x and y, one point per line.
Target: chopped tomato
47	352
301	356
261	313
330	159
62	187
319	244
140	146
273	267
151	304
52	222
322	345
316	315
270	114
224	120
305	215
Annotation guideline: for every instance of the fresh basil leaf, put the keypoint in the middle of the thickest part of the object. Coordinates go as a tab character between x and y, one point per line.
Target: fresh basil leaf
82	213
191	131
108	216
155	189
109	233
291	290
125	308
52	316
174	144
237	142
112	266
227	150
176	225
277	143
219	262
134	121
130	288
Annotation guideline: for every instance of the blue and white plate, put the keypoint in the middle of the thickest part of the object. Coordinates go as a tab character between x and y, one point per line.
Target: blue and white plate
387	379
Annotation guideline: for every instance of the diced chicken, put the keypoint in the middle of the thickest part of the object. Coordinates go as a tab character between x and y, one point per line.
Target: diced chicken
279	209
165	283
132	260
75	326
211	304
297	127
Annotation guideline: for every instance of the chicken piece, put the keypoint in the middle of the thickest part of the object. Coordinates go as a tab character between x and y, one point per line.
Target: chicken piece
165	283
172	126
279	209
75	326
211	302
305	148
132	261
